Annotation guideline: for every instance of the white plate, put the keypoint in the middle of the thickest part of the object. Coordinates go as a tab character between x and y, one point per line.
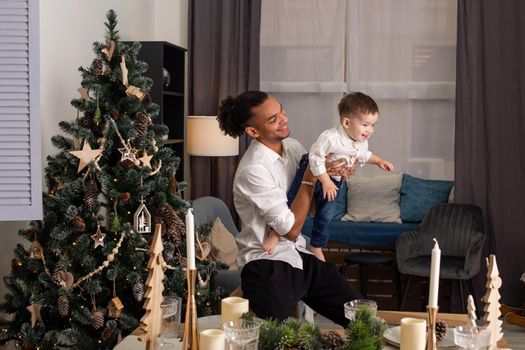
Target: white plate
393	336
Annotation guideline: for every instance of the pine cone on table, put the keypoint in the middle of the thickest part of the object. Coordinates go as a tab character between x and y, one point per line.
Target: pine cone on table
441	329
332	340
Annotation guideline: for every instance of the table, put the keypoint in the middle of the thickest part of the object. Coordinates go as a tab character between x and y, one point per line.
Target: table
391	317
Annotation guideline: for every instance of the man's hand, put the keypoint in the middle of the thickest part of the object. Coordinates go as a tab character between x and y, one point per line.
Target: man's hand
339	167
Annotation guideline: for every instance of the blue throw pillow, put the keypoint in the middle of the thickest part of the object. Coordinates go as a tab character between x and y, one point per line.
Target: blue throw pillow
419	195
340	207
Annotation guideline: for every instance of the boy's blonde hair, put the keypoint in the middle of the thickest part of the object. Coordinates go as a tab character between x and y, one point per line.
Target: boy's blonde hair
356	102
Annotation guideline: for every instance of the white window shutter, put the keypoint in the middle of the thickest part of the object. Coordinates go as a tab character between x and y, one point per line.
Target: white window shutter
20	149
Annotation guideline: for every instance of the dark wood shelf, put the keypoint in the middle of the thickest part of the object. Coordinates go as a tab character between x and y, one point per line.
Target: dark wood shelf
173	93
173	141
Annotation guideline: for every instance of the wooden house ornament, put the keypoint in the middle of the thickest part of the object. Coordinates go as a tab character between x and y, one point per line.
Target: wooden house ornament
142	219
115	307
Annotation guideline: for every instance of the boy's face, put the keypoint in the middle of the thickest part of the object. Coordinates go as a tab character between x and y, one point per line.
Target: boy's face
360	126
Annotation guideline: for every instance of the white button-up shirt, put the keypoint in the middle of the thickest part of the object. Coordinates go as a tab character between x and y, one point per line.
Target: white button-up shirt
337	141
260	186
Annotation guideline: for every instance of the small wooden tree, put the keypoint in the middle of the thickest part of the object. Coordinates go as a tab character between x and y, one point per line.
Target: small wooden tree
471	310
492	306
151	322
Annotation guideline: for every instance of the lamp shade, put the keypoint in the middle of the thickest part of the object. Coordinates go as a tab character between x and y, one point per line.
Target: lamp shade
205	138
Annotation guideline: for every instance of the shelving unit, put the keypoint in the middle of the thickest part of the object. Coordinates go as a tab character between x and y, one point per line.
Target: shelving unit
168	93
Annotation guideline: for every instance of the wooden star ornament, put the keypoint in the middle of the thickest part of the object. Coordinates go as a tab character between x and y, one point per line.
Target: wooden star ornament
98	238
146	159
86	155
34	309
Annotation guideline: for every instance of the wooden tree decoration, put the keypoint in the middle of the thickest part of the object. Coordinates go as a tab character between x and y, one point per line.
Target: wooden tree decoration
491	299
471	309
151	322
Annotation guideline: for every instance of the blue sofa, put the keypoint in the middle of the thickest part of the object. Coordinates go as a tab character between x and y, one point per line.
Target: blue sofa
416	196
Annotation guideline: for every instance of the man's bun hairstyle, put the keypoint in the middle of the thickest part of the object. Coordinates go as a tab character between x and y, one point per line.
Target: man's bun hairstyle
234	112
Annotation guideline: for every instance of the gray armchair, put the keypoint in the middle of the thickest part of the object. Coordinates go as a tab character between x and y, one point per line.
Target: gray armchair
206	210
458	229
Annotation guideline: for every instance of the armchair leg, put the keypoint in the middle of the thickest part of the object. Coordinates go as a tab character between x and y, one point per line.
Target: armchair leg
405	293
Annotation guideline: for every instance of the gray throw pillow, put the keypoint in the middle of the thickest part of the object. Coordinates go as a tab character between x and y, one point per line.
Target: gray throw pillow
374	199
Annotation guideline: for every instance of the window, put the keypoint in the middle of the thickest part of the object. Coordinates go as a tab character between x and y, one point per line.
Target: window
402	53
20	158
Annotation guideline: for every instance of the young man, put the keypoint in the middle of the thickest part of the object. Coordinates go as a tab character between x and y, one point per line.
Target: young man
275	283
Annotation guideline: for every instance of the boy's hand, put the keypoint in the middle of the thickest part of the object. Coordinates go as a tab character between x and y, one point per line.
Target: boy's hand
329	191
385	165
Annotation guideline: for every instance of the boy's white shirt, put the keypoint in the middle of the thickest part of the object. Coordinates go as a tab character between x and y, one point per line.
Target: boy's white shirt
337	142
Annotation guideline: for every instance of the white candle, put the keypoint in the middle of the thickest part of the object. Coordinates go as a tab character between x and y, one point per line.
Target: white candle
413	334
211	339
434	276
190	240
232	308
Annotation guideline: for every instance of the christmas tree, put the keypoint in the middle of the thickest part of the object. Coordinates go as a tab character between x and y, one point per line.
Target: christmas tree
80	285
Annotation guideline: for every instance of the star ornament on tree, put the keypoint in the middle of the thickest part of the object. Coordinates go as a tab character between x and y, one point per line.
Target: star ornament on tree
146	159
34	309
98	238
86	156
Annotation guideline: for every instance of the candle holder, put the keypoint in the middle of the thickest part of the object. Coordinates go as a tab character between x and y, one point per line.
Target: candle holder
431	336
191	325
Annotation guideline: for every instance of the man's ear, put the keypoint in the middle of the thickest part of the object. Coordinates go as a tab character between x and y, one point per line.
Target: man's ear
252	132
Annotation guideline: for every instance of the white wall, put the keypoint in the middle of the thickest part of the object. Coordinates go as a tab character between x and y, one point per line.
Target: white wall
67	31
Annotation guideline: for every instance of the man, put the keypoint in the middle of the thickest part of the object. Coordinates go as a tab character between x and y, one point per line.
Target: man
275	283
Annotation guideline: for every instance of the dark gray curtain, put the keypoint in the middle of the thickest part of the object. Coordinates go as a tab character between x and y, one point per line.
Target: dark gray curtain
490	130
223	60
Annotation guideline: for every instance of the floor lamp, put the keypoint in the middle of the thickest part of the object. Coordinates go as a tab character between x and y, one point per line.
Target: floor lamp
212	158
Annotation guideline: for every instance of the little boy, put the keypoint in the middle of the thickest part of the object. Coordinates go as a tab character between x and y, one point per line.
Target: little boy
349	140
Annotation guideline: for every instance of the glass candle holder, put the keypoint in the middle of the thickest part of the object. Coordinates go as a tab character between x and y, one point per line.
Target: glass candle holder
467	338
241	334
353	306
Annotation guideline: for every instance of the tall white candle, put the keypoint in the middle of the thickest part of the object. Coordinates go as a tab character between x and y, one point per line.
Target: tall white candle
434	276
190	240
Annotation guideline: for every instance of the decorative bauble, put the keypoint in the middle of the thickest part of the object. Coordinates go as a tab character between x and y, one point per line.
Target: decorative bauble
97	320
79	224
127	164
138	290
97	67
142	219
166	77
441	329
125	196
36	252
115	115
63	305
142	122
97	117
90	194
85	122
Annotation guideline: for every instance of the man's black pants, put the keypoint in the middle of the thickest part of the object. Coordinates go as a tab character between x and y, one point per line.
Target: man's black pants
274	288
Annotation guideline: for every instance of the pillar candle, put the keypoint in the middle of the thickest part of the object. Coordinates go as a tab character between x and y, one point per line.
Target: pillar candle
434	276
413	334
232	308
190	240
211	339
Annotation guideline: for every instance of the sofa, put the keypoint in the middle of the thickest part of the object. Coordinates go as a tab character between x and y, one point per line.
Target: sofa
372	212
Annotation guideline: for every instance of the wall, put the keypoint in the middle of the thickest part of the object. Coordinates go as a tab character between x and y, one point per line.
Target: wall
67	31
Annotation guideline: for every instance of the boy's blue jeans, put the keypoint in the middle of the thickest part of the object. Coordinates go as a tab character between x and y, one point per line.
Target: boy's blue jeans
324	209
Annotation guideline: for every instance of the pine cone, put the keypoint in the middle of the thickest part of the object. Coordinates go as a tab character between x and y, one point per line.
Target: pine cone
124	196
98	319
138	290
168	254
142	122
79	224
97	67
90	194
127	164
58	274
441	329
173	228
63	305
332	340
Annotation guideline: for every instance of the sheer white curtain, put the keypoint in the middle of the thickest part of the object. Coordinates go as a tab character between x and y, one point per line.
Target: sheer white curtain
401	52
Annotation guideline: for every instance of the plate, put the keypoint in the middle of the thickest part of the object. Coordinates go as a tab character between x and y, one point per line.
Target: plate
393	336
